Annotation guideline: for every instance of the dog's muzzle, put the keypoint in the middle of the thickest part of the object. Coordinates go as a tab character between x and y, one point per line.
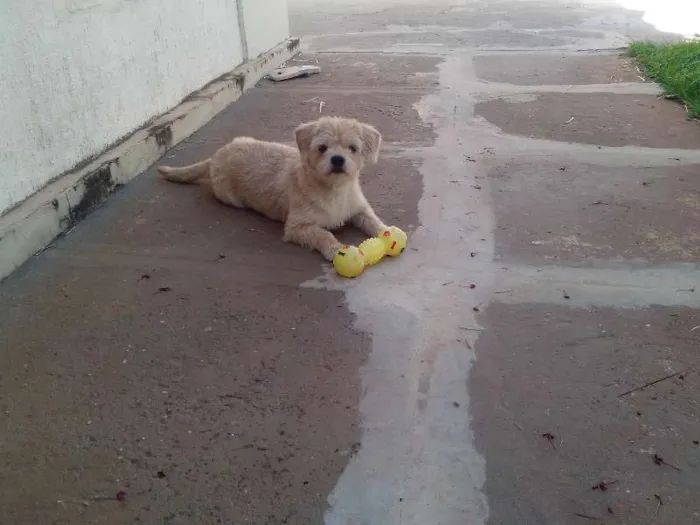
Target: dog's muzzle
337	164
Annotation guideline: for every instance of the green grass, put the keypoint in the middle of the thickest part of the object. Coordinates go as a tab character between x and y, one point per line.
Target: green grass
676	67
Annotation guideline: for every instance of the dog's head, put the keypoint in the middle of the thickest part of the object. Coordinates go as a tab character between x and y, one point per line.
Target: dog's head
334	149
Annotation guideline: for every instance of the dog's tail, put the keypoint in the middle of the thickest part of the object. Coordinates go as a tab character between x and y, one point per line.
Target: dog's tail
188	174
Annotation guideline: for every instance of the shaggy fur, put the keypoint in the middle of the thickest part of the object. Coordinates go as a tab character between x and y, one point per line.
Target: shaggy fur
312	189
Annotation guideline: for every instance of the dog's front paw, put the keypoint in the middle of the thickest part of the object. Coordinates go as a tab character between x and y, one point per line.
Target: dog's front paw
330	251
376	229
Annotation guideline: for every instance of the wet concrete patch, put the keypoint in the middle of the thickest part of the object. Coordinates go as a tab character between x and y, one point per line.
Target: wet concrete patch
599	118
550	212
564	69
550	370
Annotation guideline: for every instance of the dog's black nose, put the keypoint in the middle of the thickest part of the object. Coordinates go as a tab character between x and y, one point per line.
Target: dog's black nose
337	161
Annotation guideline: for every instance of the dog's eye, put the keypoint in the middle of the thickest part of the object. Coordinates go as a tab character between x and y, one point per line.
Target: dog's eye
353	149
323	148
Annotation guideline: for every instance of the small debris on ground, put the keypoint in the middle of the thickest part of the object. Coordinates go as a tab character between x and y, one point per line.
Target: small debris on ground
660	461
288	73
550	437
321	105
651	383
660	502
121	496
603	485
586	516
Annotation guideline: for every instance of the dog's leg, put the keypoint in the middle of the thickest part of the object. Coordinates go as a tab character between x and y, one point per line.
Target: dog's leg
314	237
229	199
225	195
368	222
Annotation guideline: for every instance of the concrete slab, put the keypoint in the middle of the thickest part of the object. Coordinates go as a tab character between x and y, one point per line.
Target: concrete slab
555	212
349	17
601	118
564	69
199	396
274	112
431	38
542	369
308	17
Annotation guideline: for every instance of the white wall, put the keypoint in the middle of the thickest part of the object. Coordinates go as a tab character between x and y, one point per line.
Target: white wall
78	75
265	21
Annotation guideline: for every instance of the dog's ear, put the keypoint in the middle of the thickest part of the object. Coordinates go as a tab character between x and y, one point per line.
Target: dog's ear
371	142
304	134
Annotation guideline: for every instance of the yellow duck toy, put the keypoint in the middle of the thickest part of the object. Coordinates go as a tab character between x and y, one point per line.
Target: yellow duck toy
350	261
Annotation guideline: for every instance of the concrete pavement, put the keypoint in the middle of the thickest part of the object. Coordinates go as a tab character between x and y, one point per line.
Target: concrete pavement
177	353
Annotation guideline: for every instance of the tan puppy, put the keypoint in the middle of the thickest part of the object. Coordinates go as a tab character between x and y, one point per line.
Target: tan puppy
312	190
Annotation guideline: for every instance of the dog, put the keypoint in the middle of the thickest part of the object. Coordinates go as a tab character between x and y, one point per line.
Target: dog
312	189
